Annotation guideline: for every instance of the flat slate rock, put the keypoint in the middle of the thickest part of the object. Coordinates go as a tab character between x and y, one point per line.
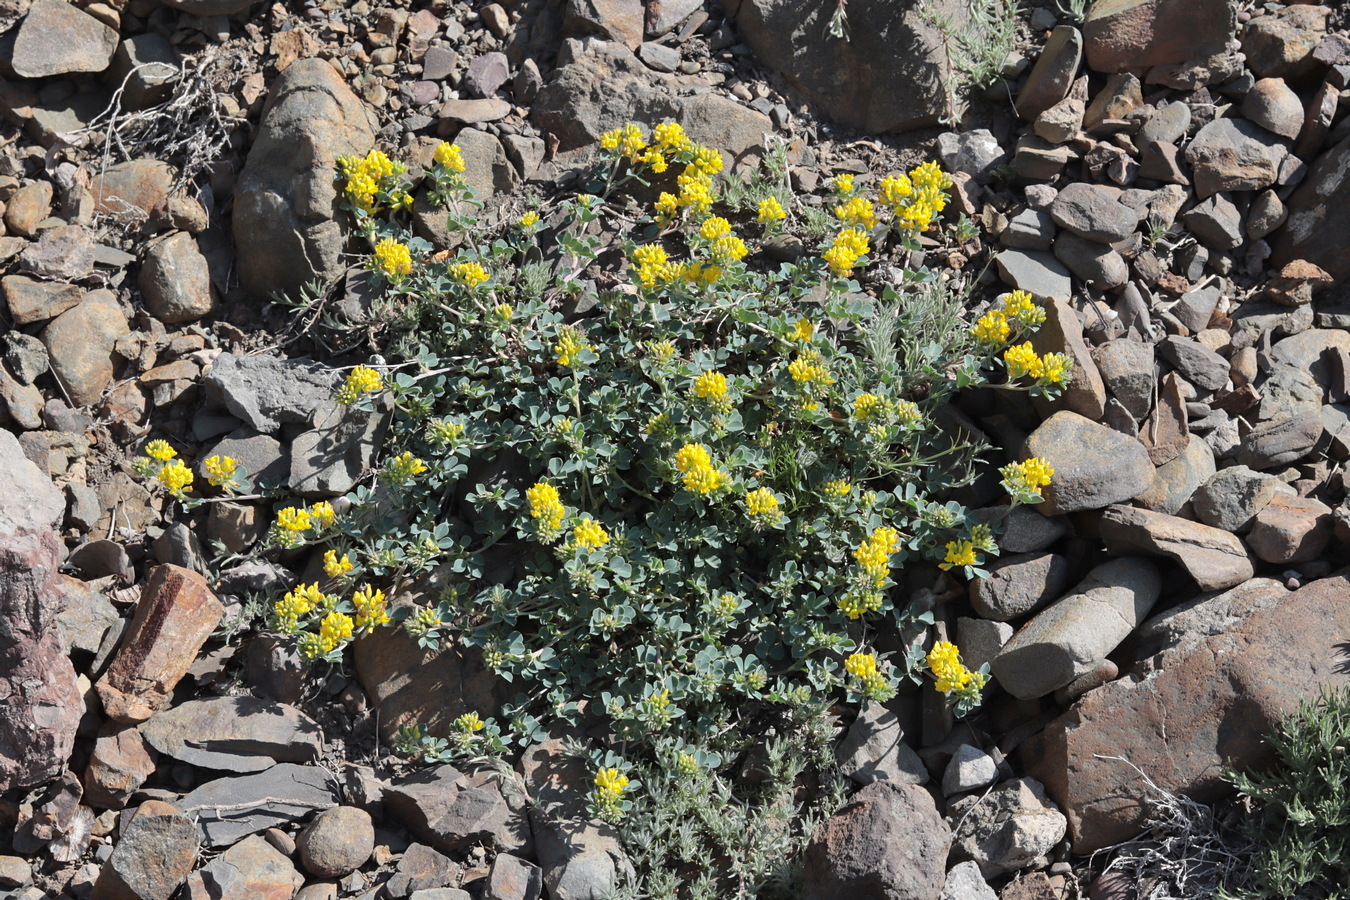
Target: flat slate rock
230	809
234	734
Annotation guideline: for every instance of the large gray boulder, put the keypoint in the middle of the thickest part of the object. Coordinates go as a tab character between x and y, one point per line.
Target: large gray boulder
286	202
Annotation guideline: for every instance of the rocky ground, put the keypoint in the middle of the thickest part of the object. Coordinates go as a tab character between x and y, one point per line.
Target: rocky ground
1168	178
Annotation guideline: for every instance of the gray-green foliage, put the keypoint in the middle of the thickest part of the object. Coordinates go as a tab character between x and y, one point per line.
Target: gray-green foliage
1301	806
976	44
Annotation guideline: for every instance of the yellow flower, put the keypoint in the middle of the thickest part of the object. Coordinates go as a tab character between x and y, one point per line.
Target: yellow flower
322	514
848	246
448	155
667	205
570	345
761	503
907	412
707	160
529	220
469	274
710	386
609	783
301	601
701	274
713	228
335	628
692	455
728	248
503	311
1019	305
403	467
868	406
160	450
857	603
627	140
895	189
843	183
704	479
671	136
335	566
220	469
944	661
810	368
661	352
770	211
805	330
293	519
874	554
370	607
469	723
992	327
1020	360
838	487
860	664
175	476
856	211
589	535
360	381
1052	368
1029	475
930	175
545	506
959	553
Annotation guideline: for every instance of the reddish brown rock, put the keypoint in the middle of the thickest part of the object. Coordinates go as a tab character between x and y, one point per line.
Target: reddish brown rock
40	709
250	870
1214	558
1290	530
1138	34
120	763
175	616
133	190
1202	704
153	855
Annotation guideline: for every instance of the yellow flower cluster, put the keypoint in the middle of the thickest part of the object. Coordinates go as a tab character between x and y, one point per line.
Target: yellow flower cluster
403	468
469	723
1029	474
925	200
804	330
874	554
160	450
895	190
503	311
610	785
589	535
1017	309
367	177
944	661
393	260
697	274
175	476
863	666
653	266
869	406
295	519
959	553
713	228
469	274
301	601
220	469
843	183
334	630
761	504
627	141
838	487
809	369
322	515
846	249
1021	359
770	211
696	465
360	381
529	220
545	507
711	387
728	248
571	343
370	607
856	211
335	566
448	155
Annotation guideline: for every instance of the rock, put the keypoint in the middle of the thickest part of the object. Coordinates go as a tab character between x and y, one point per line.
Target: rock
1281	441
1290	530
1093	212
421	868
329	460
234	734
1126	368
1029	230
1195	362
890	74
229	809
28	206
15	871
1168	125
1319	216
473	112
964	882
1036	159
56	38
449	809
1027	531
487	73
1178	479
981	640
970	770
660	57
977	153
80	343
250	870
42	707
1313	350
601	90
207	8
261	457
337	842
1296	282
133	189
1194	308
1183	626
31	301
1200	709
1096	264
146	64
31	592
408	684
613	20
25	356
1233	496
267	392
1280	45
119	765
1138	34
1037	273
875	750
63	253
727	125
1061	122
512	878
177	612
286	199
580	859
1062	332
1053	74
1014	827
664	15
1121	95
87	617
175	280
1274	106
1235	155
1214	558
1094	465
486	169
1019	585
887	843
1072	636
157	850
1216	222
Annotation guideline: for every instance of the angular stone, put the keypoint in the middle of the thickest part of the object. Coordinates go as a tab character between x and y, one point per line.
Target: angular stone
155	853
1062	332
1020	585
1319	216
286	199
1035	272
1097	265
421	868
42	709
888	842
234	734
1094	213
1138	34
267	392
1094	465
329	460
58	38
1281	44
1061	122
449	809
1290	530
1214	558
119	765
1126	368
1015	826
175	280
1232	497
613	20
970	770
1121	95
1167	126
964	882
1216	222
1194	308
1036	159
1235	155
229	809
146	64
512	878
1201	708
80	342
977	152
981	640
1053	74
1029	230
135	188
1281	441
1178	480
87	617
177	612
1274	106
473	112
250	870
31	592
337	842
1072	636
262	458
63	253
875	750
727	125
1198	364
